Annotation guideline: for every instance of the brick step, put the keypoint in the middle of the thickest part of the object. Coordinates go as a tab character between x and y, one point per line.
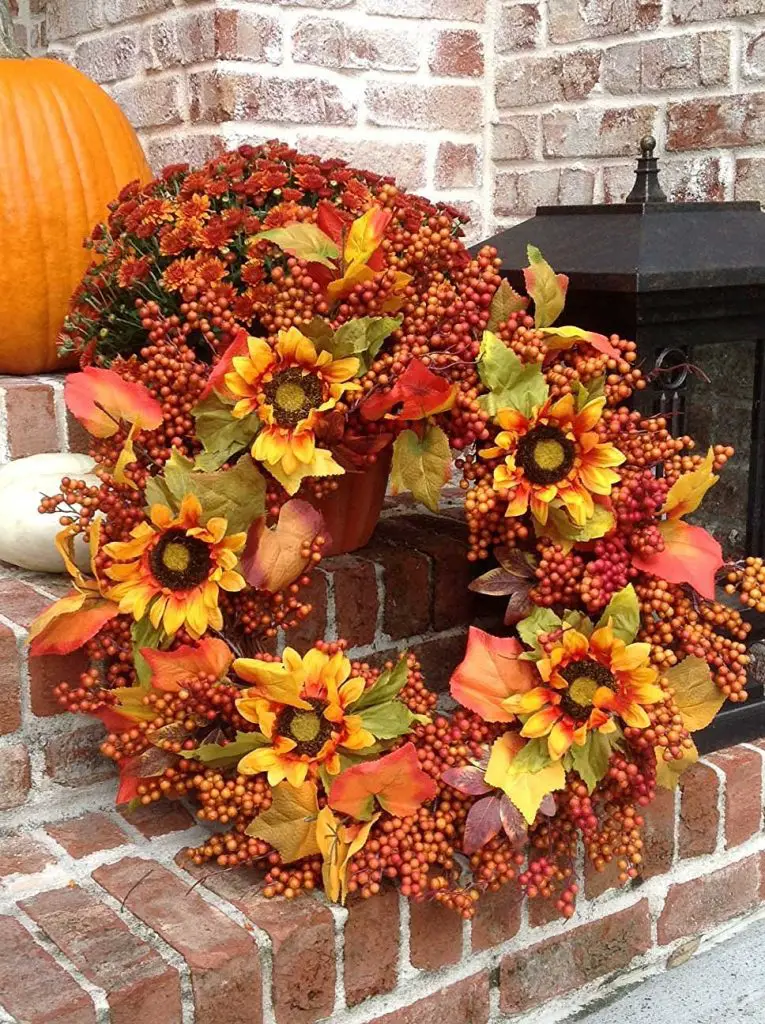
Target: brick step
100	914
34	418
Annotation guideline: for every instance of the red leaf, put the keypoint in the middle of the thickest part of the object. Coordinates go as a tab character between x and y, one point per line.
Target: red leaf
482	823
416	394
101	400
513	821
274	557
396	780
468	780
70	630
128	789
237	347
113	721
691	555
548	805
170	669
333	222
490	672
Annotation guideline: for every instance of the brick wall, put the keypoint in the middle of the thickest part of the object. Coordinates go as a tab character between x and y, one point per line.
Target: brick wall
494	105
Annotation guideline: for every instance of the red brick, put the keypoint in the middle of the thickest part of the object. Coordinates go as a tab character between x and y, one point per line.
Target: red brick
20	603
87	834
762	876
31	417
753	57
677	62
451	107
139	985
526	81
706	902
371	947
20	855
570	21
743	793
572	959
78	439
519	193
658	835
237	95
151	102
332	43
33	988
517	140
723	121
714	58
111	57
176	148
46	672
439	656
542	912
451	10
435	936
458	165
406	581
686	180
497	918
65	19
354	583
466	1002
699	816
10	681
123	10
197	36
74	758
314	627
682	11
14	776
302	934
750	178
158	819
518	28
222	957
584	132
456	53
407	159
597	882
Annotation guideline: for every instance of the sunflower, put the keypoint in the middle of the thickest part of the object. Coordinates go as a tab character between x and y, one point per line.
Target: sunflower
554	455
175	567
590	681
289	387
301	706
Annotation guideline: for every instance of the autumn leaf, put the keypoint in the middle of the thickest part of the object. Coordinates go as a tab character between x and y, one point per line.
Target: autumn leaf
546	288
102	400
513	578
126	456
221	435
387	721
483	822
238	346
562	530
504	303
417	393
513	823
490	672
504	750
541	620
396	781
338	844
561	338
697	696
226	755
149	764
306	241
289	824
322	464
511	383
385	688
524	772
527	790
170	670
366	234
469	780
274	557
362	337
590	761
69	623
686	493
668	772
690	555
421	466
623	611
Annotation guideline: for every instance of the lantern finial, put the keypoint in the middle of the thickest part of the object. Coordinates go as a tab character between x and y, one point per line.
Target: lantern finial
647	188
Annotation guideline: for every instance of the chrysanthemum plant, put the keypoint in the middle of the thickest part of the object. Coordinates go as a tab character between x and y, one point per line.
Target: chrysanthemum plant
261	316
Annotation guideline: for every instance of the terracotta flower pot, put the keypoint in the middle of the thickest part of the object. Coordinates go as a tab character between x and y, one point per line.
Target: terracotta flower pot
351	512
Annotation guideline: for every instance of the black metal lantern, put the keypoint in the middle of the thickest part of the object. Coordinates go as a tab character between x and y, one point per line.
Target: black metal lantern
686	281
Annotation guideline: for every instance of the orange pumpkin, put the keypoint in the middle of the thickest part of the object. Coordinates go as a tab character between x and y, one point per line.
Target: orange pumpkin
66	150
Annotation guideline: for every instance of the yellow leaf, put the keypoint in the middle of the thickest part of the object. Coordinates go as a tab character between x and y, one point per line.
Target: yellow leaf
365	235
127	455
337	844
527	790
696	694
668	772
289	825
130	703
546	288
503	751
306	241
421	466
687	491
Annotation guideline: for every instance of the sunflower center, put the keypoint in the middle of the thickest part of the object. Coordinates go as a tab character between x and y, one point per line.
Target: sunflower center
584	678
292	394
309	729
179	562
545	454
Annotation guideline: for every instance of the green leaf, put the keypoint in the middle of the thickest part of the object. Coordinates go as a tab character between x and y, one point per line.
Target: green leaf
541	620
561	529
512	384
306	241
143	634
505	302
363	338
580	622
584	394
421	466
591	760
216	755
237	494
546	288
221	434
624	610
157	492
387	686
532	757
387	721
320	333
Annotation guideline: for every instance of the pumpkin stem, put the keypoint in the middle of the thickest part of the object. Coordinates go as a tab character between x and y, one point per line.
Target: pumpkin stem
8	45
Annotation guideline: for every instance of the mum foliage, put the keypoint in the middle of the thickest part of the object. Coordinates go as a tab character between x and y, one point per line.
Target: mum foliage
251	332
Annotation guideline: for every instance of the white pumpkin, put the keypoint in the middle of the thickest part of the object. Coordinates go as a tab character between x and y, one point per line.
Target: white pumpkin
27	537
